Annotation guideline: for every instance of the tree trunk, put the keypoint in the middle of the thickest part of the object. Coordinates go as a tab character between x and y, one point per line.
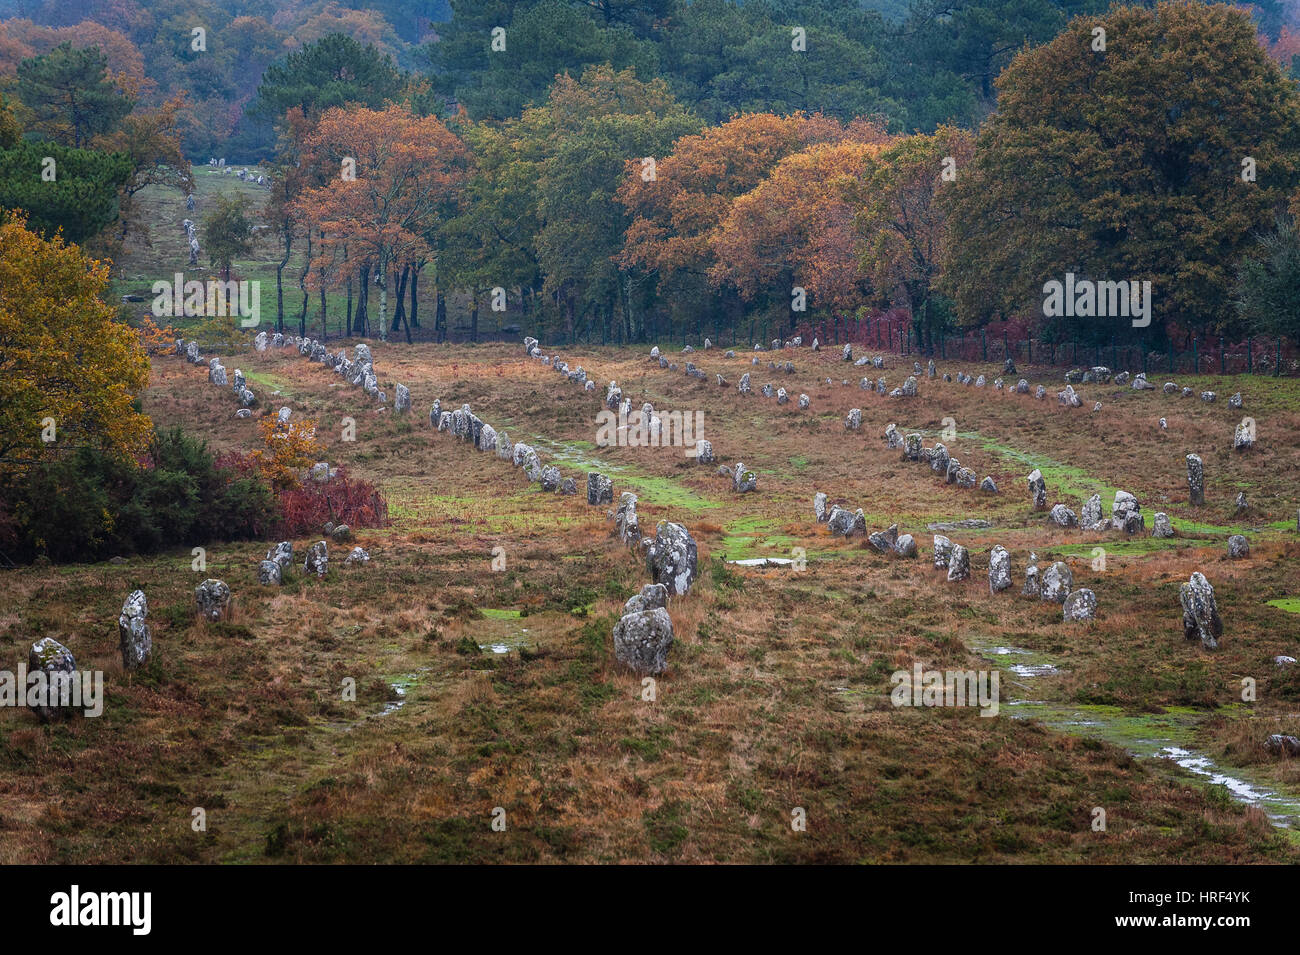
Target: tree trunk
279	281
414	317
473	318
349	315
362	318
381	273
399	312
302	284
440	317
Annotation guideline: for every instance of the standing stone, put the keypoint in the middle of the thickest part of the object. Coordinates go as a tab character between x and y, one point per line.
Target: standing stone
600	489
1081	605
626	526
1033	586
942	552
1161	525
819	507
270	572
318	559
743	480
402	399
1063	516
912	447
959	563
1200	612
1235	401
133	631
854	420
804	401
1037	489
282	554
672	558
358	555
841	522
550	478
1058	581
989	485
1091	519
905	546
1238	547
212	598
487	438
56	661
642	640
743	387
1243	438
999	569
1126	513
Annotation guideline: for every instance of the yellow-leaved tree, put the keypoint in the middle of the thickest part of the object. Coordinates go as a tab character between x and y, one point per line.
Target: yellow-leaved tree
69	373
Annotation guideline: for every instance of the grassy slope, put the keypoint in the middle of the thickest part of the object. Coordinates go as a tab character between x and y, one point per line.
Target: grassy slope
777	695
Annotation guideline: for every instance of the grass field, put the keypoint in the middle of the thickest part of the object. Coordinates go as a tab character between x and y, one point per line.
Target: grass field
777	697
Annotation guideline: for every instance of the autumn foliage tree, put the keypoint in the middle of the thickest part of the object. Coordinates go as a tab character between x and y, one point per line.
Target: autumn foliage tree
903	225
389	178
796	228
69	373
1156	159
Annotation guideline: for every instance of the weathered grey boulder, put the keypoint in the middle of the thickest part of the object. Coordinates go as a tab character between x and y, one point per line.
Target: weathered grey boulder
401	399
1091	519
1200	612
217	374
1079	606
133	631
1196	479
600	489
1033	585
743	387
743	480
550	478
1161	526
672	557
626	527
703	451
56	661
282	554
1037	489
884	541
804	402
487	438
841	522
848	353
939	459
988	485
1063	516
642	641
1279	743
1058	581
781	396
819	507
318	559
1126	514
533	466
905	546
965	478
1238	546
651	597
1242	506
1208	396
1243	438
358	555
340	533
212	599
320	472
999	569
942	552
1235	401
958	563
270	572
912	447
854	419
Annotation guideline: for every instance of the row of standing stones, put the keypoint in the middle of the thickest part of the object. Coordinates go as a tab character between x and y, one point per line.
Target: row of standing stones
212	602
212	598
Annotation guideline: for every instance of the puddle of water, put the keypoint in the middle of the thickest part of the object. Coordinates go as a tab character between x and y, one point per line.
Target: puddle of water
1166	735
501	631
